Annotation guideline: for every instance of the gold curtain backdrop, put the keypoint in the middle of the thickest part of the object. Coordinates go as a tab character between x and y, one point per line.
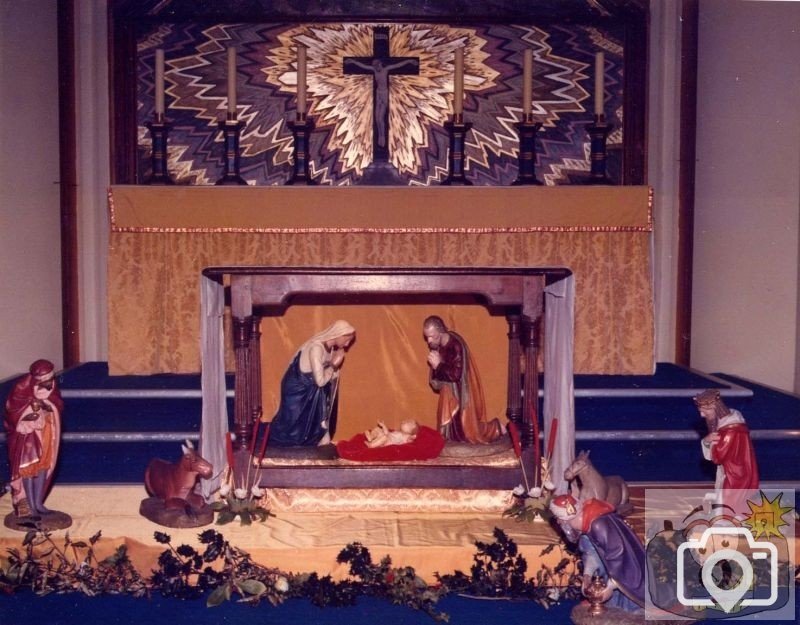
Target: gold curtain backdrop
163	237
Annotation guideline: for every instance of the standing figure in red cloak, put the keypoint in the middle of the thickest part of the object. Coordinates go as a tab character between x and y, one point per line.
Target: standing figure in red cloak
33	432
461	414
728	445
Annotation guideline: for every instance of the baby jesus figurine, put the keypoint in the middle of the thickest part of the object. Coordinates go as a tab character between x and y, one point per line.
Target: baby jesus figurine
381	436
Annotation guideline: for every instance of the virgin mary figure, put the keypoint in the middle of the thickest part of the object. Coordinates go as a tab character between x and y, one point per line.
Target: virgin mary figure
308	389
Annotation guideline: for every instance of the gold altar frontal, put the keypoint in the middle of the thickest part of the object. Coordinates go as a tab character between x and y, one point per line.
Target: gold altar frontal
430	541
163	237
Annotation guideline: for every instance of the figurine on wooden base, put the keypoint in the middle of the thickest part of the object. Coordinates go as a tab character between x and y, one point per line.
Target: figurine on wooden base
590	484
609	549
33	434
173	502
728	445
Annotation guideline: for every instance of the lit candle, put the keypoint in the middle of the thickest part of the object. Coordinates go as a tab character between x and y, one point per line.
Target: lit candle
458	82
599	86
527	82
301	79
232	81
159	83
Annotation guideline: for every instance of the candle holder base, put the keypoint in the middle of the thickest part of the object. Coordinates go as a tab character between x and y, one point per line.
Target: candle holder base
598	133
527	130
301	129
457	129
231	129
159	131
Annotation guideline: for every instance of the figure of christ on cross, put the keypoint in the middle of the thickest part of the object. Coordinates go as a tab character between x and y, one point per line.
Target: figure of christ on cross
381	65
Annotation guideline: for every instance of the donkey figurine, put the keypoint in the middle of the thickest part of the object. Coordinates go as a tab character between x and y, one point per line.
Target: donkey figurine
173	482
592	485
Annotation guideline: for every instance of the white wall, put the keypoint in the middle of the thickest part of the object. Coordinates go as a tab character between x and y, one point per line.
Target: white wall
747	206
30	261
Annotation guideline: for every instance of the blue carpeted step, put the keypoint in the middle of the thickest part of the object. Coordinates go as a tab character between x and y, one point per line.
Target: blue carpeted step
682	461
645	428
622	433
94	376
114	425
666	377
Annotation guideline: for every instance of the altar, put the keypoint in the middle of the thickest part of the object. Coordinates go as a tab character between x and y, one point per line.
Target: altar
162	237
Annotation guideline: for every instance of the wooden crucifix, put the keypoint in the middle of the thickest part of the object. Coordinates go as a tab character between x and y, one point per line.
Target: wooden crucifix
381	65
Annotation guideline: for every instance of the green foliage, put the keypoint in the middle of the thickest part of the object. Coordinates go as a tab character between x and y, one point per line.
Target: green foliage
247	509
499	570
400	585
526	508
221	572
44	567
226	571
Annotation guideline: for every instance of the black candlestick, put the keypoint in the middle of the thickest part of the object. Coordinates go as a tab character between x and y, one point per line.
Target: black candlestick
231	128
457	129
598	132
159	129
301	130
527	130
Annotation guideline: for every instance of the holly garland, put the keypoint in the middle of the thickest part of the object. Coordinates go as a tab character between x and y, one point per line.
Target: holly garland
220	572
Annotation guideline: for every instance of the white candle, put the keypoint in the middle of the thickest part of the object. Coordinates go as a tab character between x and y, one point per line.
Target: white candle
599	82
159	82
232	81
527	82
301	79
458	82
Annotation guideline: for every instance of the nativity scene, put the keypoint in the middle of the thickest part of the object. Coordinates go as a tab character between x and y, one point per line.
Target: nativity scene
383	318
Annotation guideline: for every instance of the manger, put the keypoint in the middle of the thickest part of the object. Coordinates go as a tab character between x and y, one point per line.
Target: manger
522	295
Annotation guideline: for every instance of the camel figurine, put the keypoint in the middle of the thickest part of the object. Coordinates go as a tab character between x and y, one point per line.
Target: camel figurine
588	482
173	502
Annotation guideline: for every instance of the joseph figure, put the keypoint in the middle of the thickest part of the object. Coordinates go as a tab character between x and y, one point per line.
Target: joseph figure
461	413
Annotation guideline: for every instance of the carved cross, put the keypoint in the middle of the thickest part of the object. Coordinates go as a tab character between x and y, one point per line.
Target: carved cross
381	65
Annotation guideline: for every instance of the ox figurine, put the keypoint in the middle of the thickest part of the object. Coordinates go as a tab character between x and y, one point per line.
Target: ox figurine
173	501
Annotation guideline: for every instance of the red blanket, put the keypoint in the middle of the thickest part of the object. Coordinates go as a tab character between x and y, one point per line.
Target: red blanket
427	445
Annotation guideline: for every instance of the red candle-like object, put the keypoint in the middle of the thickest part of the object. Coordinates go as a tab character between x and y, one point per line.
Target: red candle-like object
229	448
551	441
514	432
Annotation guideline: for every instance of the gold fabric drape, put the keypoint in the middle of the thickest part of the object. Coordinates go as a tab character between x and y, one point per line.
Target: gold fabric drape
306	541
163	237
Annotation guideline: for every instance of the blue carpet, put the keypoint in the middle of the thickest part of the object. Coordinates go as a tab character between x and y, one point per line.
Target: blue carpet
74	609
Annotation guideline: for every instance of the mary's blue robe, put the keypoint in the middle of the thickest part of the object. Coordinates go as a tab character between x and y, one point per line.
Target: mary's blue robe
302	417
